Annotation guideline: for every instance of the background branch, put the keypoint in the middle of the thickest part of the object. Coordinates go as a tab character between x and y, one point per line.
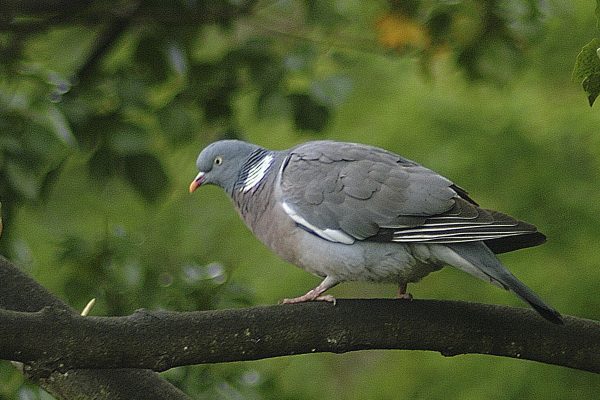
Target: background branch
162	340
69	12
104	42
22	294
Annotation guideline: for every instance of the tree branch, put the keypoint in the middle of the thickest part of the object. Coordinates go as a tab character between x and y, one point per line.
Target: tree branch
17	13
162	340
103	43
22	294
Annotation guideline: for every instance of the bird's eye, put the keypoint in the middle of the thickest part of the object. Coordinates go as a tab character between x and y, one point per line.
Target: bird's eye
218	160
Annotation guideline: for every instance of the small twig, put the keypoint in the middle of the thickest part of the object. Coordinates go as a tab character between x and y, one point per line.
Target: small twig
88	307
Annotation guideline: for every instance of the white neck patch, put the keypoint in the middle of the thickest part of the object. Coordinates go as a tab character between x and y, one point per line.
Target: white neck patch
257	172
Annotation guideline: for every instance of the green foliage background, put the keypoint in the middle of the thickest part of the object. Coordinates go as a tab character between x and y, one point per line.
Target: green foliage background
98	145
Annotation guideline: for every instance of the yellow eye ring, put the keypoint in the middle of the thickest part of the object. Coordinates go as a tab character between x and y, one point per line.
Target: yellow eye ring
218	160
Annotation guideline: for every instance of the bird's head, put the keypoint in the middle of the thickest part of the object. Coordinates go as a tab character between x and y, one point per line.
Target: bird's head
220	162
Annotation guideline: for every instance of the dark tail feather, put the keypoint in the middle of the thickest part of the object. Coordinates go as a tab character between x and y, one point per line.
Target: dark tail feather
481	257
532	299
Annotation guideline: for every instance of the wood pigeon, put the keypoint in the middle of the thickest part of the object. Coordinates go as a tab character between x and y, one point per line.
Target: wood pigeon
352	212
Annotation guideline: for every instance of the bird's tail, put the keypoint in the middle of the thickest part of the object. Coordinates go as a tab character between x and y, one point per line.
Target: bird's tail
478	260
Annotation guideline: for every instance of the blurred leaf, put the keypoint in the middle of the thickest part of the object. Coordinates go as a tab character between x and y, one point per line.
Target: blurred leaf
150	55
332	91
274	104
218	104
177	59
101	164
23	180
178	122
128	139
405	7
587	69
50	179
323	13
146	174
493	54
296	62
302	58
211	44
74	249
213	86
524	18
396	31
258	59
60	126
309	114
439	23
11	128
131	90
59	49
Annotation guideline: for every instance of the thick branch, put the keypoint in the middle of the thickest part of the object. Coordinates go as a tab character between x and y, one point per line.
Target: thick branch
21	293
162	340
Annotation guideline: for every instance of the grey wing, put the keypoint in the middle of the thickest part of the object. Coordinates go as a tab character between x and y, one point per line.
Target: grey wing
345	192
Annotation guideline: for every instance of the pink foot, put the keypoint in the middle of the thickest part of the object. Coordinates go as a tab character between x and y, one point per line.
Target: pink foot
309	297
405	296
316	294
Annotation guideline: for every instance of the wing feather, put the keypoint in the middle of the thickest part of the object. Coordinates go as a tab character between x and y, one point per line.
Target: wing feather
345	192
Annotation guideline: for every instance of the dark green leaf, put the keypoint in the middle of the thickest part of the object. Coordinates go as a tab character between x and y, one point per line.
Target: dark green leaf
308	114
146	174
591	85
102	163
151	56
129	139
177	122
51	177
439	24
218	105
587	61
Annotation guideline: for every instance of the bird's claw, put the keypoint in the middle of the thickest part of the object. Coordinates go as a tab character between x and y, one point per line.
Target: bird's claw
309	297
405	296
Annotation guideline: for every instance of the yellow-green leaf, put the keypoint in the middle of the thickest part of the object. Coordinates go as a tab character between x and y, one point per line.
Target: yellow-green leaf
587	69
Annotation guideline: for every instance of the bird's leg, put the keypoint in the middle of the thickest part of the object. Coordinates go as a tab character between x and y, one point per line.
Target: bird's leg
402	294
316	293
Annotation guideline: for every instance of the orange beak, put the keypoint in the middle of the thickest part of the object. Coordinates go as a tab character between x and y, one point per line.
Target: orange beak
197	181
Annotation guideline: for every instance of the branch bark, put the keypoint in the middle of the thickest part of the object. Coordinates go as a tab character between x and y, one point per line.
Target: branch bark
23	295
163	340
